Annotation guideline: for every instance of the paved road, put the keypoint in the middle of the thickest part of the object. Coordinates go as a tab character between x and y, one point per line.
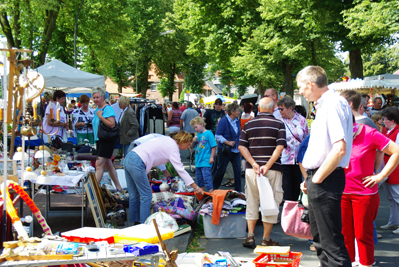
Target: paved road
386	252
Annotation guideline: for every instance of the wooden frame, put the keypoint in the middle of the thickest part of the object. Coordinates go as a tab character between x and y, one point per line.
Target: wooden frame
94	195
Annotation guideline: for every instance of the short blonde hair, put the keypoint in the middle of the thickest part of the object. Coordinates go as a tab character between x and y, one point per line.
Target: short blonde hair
99	90
197	120
181	137
124	100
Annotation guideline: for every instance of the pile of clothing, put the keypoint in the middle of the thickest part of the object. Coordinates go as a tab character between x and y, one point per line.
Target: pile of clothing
222	203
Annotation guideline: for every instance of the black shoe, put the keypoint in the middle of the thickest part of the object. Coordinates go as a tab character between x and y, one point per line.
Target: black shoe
249	242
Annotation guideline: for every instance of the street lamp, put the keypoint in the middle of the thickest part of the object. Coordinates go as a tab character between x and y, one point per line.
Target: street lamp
137	60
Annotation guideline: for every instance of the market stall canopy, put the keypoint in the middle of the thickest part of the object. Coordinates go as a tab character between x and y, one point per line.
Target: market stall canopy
211	99
61	76
373	84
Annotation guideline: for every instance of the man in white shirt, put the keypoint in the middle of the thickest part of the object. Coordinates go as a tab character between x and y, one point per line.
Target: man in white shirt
329	151
272	93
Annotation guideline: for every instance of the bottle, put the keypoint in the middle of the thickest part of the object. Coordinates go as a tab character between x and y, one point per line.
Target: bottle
80	141
74	154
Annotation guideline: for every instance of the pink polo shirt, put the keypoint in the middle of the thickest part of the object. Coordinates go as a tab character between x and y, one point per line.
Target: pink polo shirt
362	160
159	151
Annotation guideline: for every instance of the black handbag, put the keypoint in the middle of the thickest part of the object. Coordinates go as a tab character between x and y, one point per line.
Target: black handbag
106	133
226	150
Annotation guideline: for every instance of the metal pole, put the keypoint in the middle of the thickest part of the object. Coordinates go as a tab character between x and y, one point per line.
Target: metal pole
5	95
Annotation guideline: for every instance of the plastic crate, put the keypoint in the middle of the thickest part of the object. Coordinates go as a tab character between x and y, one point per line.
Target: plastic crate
232	226
88	234
264	260
142	233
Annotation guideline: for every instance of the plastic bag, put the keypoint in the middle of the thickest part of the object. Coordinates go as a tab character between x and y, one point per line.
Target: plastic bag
163	220
268	205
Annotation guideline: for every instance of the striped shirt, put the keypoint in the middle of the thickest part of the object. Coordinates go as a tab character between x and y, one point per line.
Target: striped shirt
261	136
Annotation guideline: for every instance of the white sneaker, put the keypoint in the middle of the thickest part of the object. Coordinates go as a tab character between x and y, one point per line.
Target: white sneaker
396	231
355	263
389	227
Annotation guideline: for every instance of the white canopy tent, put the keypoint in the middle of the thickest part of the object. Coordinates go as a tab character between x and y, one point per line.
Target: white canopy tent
387	83
74	82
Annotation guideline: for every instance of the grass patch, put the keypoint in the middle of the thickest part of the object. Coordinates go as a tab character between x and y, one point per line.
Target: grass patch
194	245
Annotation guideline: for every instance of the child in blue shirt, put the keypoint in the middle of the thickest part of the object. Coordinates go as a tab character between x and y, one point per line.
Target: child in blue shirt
205	150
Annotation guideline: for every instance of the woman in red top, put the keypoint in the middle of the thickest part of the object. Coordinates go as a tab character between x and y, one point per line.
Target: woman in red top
174	118
390	116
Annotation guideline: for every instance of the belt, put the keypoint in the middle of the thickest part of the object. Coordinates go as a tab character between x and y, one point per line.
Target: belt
315	170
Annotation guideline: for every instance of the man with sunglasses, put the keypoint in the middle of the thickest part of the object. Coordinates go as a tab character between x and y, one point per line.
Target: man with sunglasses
212	116
272	93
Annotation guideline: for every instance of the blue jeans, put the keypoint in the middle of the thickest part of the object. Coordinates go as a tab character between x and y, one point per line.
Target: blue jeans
222	163
125	150
204	177
325	218
140	194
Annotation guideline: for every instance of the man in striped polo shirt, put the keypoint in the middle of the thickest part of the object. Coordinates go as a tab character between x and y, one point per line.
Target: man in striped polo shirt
261	143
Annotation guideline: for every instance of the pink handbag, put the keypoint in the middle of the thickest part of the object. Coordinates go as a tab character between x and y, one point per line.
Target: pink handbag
291	220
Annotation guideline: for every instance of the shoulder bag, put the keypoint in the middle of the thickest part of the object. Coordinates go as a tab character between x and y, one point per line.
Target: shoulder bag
106	133
295	219
226	150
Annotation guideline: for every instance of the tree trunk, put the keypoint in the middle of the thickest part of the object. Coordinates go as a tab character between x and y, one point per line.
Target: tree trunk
313	51
5	26
17	25
143	80
49	26
356	63
75	31
288	81
261	89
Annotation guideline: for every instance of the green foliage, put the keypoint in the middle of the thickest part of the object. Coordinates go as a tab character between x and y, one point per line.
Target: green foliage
171	169
385	59
194	77
181	97
166	89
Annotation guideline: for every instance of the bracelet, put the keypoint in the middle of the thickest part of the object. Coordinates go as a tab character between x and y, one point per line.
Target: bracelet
254	164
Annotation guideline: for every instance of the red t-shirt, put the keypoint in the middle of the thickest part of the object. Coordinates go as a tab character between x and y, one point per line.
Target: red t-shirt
362	160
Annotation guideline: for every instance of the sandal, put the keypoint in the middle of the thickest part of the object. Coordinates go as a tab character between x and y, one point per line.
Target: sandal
225	183
229	184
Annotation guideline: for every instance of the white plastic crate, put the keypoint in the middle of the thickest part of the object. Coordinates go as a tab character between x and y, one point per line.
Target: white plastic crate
232	226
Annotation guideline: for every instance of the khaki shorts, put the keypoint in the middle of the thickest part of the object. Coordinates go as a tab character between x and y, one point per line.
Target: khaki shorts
252	194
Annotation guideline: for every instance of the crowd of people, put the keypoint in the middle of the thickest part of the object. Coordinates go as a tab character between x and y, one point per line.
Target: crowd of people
352	150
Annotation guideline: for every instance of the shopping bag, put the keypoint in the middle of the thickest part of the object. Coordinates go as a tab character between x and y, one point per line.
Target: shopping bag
291	222
268	205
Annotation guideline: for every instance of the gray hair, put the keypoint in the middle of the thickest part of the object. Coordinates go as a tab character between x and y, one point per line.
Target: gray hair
287	102
99	90
124	100
363	102
231	107
266	105
314	74
375	99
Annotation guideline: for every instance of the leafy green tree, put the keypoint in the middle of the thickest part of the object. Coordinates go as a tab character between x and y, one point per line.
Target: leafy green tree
194	75
30	24
385	59
345	23
166	88
181	97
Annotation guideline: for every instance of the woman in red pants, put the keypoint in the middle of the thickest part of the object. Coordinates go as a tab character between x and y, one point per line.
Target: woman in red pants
360	199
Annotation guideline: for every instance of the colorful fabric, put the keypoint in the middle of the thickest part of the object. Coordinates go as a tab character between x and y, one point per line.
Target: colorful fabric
296	130
186	214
